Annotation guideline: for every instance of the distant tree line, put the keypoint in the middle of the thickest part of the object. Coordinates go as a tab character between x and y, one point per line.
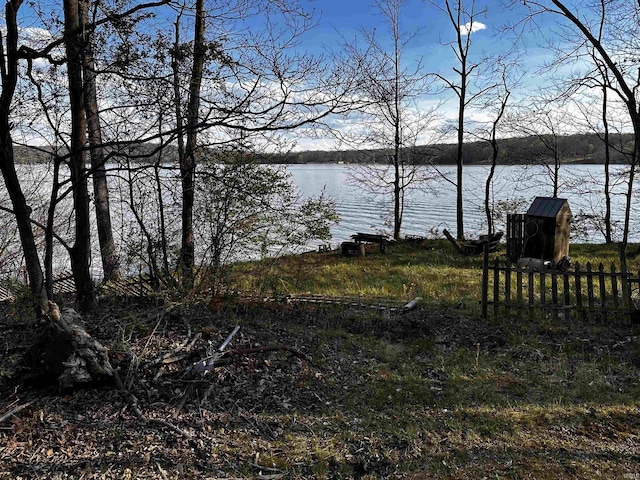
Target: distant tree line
586	148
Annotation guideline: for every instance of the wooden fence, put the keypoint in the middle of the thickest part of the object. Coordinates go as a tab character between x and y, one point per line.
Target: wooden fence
515	235
63	284
590	292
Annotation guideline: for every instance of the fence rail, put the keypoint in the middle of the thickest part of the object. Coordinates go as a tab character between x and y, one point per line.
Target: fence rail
63	284
591	292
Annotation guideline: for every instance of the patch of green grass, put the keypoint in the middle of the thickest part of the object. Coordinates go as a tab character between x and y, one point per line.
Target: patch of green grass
436	273
433	271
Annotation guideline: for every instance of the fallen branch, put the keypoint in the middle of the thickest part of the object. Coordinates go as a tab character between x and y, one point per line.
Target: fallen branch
452	240
249	351
15	410
132	401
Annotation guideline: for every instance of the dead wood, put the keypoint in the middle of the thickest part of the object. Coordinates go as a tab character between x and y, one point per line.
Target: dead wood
15	410
66	353
132	402
453	241
283	348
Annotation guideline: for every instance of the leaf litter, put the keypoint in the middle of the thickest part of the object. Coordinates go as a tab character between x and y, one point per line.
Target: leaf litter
308	391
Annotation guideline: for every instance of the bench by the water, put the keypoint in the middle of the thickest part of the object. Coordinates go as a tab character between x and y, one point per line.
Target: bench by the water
356	247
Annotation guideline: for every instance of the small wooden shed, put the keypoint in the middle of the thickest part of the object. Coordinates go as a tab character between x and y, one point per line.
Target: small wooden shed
547	228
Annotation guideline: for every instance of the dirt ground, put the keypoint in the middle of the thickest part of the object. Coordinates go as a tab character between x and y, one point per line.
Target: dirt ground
310	392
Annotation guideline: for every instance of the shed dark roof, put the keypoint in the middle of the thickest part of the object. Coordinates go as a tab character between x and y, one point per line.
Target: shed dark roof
546	207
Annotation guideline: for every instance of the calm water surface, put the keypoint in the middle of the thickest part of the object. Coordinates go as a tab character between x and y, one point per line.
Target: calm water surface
428	209
432	208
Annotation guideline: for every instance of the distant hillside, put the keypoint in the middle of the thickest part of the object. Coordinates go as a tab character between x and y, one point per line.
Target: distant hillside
579	148
141	153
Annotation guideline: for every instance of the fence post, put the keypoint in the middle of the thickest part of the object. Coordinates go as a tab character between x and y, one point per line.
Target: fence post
554	294
496	287
578	279
624	280
531	286
590	291
603	293
614	287
507	287
485	278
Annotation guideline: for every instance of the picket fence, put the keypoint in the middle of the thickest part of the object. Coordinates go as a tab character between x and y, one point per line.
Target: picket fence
589	292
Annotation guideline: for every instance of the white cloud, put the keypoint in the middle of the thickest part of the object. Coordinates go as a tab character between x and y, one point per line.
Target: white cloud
471	27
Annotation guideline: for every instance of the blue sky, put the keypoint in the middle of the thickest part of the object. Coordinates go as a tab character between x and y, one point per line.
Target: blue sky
433	27
345	18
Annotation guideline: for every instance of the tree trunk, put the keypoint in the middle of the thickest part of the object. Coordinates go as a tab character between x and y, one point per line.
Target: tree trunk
487	187
22	211
556	170
632	171
459	161
607	164
65	353
188	162
397	188
81	250
108	251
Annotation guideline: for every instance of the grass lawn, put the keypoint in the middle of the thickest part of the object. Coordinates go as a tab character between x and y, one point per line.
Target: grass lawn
432	270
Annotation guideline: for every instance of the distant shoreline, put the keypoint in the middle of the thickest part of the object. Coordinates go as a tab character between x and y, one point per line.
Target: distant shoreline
578	149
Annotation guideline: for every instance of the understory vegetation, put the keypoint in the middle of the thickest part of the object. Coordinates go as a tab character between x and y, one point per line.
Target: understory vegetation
333	391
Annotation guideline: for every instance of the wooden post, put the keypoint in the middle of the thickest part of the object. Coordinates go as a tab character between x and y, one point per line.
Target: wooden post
567	296
507	287
485	279
614	287
519	282
543	290
603	292
531	290
578	278
590	290
496	287
624	280
554	295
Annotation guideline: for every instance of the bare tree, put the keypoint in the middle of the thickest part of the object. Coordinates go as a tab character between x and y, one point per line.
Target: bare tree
463	17
387	112
10	55
544	121
496	105
81	250
243	87
108	253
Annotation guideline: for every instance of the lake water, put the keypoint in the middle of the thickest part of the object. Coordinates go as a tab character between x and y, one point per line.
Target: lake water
428	209
432	207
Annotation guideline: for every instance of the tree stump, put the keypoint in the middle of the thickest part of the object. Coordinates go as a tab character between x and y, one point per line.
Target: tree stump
66	353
